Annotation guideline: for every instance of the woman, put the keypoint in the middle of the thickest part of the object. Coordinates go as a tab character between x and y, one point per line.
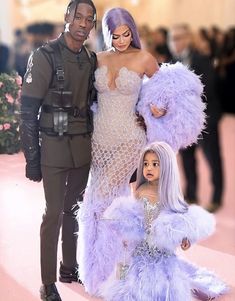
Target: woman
117	141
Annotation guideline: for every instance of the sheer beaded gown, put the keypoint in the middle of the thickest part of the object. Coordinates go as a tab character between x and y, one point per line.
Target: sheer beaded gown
116	146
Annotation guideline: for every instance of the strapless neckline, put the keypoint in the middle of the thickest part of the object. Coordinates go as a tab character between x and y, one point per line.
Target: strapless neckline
122	70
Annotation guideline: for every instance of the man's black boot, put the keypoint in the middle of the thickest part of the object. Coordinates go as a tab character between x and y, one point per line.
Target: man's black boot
69	275
48	292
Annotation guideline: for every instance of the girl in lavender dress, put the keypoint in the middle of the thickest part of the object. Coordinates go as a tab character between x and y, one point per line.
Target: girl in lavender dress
118	140
150	226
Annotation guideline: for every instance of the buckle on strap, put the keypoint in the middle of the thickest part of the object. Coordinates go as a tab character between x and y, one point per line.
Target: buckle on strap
76	112
60	74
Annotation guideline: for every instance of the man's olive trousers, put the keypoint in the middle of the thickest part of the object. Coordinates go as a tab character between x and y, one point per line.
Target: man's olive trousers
63	188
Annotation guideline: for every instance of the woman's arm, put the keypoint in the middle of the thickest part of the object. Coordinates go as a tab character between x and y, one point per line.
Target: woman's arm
150	63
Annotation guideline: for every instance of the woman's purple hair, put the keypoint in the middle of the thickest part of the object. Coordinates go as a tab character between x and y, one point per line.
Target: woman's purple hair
169	191
114	18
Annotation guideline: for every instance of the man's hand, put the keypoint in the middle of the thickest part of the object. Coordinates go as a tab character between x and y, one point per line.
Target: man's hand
33	172
157	113
185	245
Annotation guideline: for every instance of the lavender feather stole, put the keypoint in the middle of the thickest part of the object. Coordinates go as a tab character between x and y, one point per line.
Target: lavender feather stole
178	90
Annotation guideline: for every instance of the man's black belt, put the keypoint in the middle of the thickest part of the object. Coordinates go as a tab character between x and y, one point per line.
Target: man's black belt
51	132
72	111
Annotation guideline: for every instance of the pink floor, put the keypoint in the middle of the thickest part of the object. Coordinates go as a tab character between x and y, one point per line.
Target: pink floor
21	207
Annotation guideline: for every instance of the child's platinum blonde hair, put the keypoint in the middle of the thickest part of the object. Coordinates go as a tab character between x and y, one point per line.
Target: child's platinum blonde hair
169	190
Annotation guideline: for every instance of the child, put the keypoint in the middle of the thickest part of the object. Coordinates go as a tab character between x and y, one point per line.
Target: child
151	226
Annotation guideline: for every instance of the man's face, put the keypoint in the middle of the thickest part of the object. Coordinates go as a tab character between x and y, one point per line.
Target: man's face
179	40
80	23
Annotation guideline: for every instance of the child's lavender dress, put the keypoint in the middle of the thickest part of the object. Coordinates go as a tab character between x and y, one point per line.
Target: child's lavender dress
152	271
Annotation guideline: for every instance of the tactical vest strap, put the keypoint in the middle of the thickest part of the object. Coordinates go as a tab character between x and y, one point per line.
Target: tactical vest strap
58	65
92	91
58	112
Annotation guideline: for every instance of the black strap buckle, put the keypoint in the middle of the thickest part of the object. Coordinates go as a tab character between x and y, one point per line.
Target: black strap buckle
76	112
60	74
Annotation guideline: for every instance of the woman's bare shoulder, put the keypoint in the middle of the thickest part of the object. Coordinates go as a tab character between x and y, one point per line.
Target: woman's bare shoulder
149	61
144	54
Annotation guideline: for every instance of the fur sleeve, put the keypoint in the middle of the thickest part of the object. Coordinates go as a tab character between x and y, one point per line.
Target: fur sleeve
178	90
125	216
169	229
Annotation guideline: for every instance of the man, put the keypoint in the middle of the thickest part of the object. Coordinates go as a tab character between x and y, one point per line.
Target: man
58	84
182	50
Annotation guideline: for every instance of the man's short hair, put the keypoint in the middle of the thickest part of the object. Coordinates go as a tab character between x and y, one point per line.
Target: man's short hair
73	4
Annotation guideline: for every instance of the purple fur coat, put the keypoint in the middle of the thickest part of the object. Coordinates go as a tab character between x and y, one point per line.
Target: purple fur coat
178	90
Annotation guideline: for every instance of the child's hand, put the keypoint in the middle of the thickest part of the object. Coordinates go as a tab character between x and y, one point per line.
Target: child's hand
185	245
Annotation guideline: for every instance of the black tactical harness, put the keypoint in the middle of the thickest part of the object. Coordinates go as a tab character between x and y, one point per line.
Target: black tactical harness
62	107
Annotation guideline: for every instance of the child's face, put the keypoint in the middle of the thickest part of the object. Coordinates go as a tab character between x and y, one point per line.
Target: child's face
151	169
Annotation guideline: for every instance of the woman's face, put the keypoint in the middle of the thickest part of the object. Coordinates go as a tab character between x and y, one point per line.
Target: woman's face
121	38
151	168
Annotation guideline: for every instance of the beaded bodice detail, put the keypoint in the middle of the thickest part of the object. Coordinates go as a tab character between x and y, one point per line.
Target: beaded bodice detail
127	82
117	140
116	118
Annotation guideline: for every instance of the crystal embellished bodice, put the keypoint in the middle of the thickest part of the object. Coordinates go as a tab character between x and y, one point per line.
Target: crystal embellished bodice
116	119
145	247
151	211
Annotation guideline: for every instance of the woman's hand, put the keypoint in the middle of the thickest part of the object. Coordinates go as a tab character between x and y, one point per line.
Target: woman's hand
157	113
185	245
